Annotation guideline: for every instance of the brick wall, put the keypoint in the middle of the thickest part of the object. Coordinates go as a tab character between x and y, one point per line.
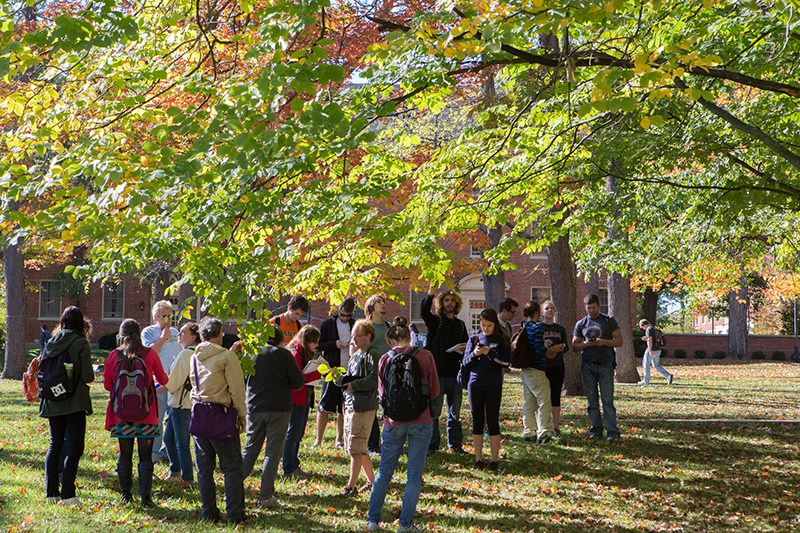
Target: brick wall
712	343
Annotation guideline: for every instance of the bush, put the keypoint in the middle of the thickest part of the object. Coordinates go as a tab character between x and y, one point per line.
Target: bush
108	341
699	354
779	355
758	354
719	354
680	353
664	352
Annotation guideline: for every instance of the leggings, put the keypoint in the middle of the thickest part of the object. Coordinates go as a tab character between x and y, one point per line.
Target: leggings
484	402
145	450
556	377
66	432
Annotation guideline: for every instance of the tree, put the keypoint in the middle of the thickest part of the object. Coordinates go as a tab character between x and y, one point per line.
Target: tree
14	274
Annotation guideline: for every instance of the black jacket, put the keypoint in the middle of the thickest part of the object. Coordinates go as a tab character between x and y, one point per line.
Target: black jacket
276	373
443	333
328	335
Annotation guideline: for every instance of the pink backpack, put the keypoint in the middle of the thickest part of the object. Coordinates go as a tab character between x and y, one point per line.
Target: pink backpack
133	392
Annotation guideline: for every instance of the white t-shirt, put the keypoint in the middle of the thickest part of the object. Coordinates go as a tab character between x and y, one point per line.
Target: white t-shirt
171	348
344	336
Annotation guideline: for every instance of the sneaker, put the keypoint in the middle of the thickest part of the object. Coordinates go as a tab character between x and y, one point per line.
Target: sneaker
478	465
297	474
71	501
458	450
593	436
314	446
545	439
173	476
614	438
374	453
410	529
340	444
494	466
528	438
348	491
669	379
271	503
373	526
643	384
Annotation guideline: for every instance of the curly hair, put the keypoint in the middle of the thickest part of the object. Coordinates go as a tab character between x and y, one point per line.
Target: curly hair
438	302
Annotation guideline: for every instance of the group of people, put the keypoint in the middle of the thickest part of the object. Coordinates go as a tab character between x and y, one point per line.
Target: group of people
190	367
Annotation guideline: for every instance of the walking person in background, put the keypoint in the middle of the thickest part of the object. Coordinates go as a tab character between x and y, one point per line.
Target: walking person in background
269	411
44	336
485	357
652	354
289	320
303	348
217	378
162	338
176	430
130	372
446	330
360	385
395	433
595	336
554	335
67	416
334	342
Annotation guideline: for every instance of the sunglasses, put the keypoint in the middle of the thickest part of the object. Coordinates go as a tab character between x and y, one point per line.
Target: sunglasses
345	315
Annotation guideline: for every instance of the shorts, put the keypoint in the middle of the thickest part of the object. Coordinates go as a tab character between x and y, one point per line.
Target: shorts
357	427
331	399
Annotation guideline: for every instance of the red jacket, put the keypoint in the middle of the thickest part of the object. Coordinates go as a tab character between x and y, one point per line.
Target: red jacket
300	397
154	368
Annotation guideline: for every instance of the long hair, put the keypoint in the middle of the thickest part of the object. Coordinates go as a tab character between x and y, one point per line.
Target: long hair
490	315
130	341
302	339
438	302
369	305
72	318
398	331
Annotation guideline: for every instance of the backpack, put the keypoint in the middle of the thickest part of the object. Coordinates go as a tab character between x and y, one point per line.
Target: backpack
132	393
659	340
30	384
522	355
53	382
405	391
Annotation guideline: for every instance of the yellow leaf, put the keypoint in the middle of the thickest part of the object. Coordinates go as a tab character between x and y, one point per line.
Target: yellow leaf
645	123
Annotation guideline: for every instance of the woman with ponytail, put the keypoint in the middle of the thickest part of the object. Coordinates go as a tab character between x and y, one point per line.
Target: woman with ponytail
129	357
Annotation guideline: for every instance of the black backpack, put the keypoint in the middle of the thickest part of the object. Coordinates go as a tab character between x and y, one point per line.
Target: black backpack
54	384
659	340
522	355
405	391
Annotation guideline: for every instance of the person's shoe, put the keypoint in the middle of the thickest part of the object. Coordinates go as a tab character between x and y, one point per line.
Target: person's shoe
340	444
366	487
545	439
528	438
556	432
494	466
432	451
72	501
643	384
126	498
314	446
593	436
373	526
410	529
348	491
375	453
614	438
478	465
271	503
669	379
210	520
458	449
297	474
173	476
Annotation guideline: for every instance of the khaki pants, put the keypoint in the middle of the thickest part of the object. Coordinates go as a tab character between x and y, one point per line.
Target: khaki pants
536	389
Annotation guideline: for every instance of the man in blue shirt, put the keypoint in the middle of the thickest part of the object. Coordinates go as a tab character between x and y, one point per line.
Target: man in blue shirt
596	336
164	340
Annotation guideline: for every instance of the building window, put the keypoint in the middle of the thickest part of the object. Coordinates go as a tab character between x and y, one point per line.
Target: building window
475	253
603	300
49	299
415	305
540	294
114	300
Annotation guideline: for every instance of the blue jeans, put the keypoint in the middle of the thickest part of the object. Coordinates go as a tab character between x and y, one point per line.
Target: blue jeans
206	452
297	428
652	358
452	388
159	448
178	443
601	376
392	441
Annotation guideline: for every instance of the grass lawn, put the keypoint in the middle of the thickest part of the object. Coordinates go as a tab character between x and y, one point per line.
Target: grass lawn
678	469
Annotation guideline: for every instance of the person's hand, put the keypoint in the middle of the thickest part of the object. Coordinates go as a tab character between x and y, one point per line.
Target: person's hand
237	347
166	331
341	345
348	387
241	422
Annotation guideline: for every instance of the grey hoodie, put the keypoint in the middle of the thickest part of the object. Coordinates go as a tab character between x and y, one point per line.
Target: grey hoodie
221	377
80	353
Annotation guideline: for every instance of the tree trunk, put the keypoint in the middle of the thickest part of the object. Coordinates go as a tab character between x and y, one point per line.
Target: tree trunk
650	305
619	306
160	285
186	298
14	274
562	291
737	322
494	285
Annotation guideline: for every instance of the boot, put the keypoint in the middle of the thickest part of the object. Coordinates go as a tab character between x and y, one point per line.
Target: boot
146	483
125	475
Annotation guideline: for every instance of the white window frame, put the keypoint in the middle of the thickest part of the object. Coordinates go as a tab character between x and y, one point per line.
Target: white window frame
602	293
539	299
41	293
121	317
475	253
415	307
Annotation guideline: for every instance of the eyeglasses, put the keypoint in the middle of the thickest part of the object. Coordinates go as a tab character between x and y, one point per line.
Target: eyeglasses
345	315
